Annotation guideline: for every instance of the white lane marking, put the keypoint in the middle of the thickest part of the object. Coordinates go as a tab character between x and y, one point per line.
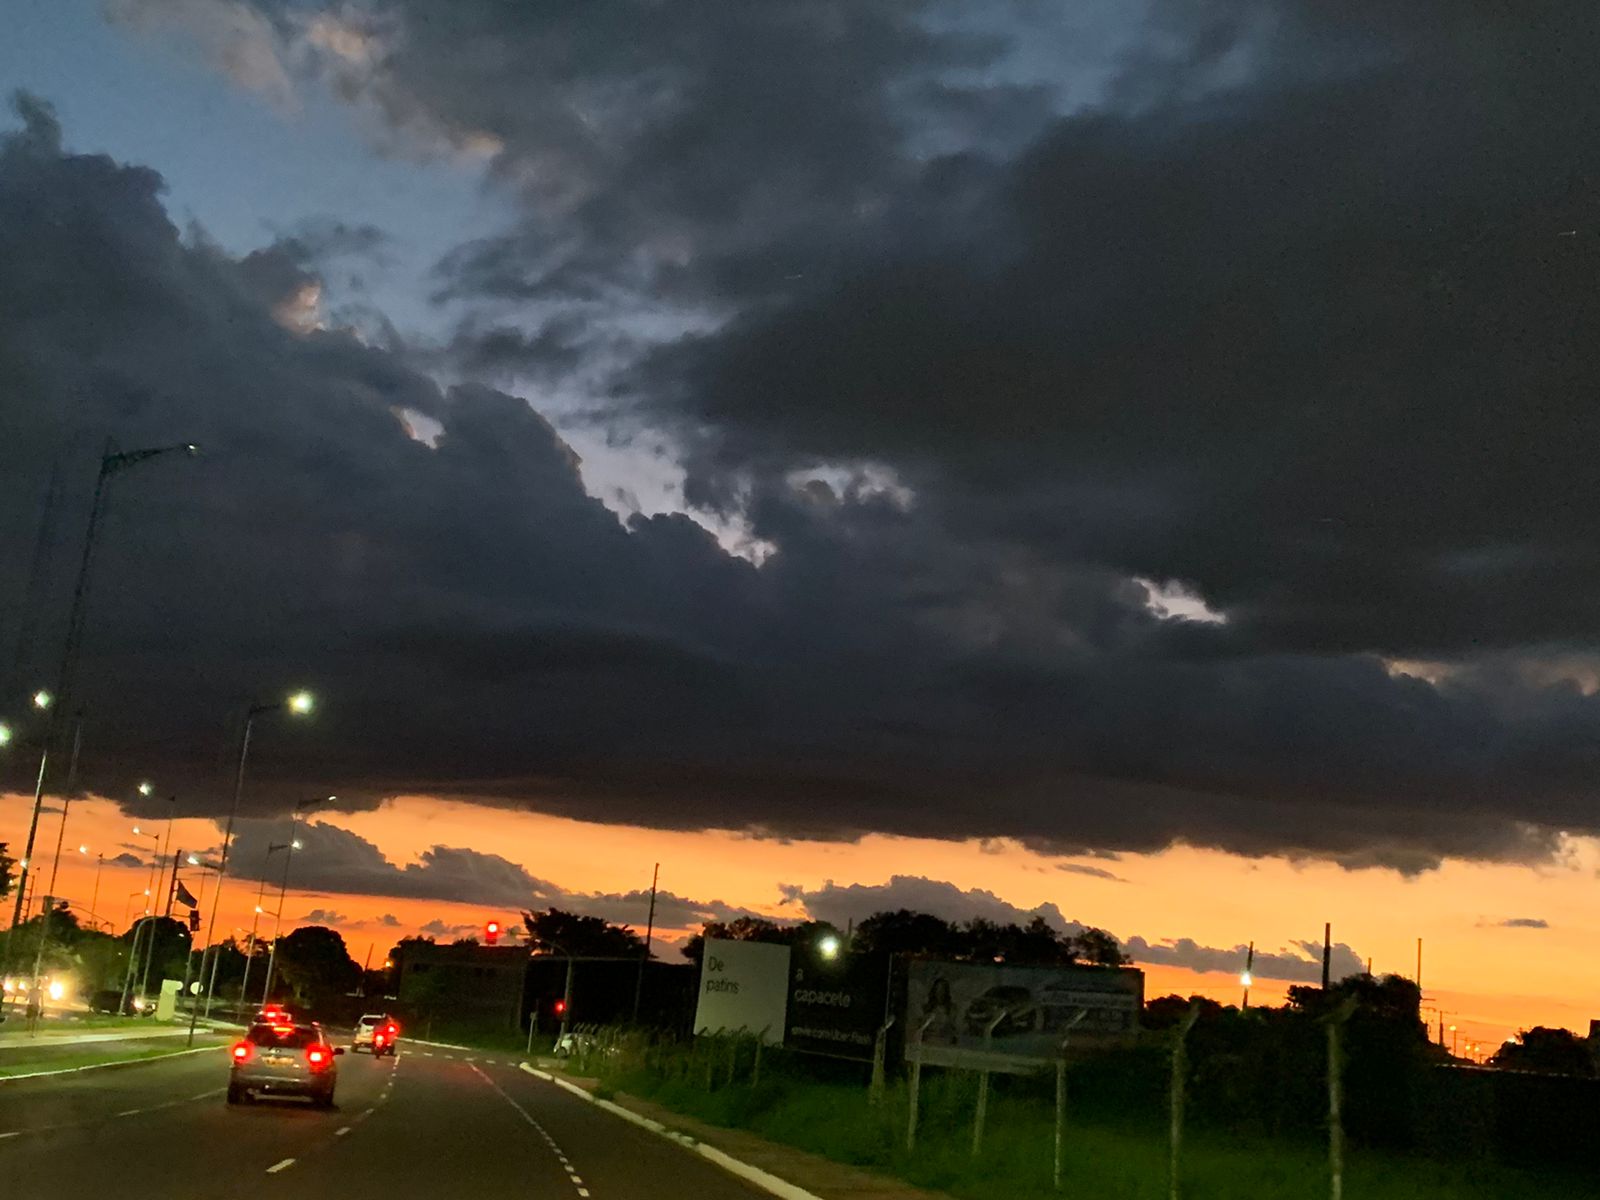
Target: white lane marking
132	1112
276	1167
572	1175
11	1133
764	1180
341	1132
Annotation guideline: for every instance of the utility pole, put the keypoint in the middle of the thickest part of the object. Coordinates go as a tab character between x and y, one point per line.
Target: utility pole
1327	951
649	936
1249	974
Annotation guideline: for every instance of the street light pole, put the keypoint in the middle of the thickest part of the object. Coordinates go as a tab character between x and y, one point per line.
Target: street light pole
300	703
255	921
42	701
289	848
66	798
111	461
99	865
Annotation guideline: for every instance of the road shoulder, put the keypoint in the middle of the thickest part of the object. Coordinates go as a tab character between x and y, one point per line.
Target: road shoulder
806	1176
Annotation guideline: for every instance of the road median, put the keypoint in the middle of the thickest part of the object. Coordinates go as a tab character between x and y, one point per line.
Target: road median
54	1060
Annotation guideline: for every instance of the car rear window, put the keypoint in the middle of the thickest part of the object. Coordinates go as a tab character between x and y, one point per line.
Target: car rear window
369	1021
296	1037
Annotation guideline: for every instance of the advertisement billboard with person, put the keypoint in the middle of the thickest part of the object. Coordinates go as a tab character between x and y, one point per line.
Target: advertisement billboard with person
1013	1018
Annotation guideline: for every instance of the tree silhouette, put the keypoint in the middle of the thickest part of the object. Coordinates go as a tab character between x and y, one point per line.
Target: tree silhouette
1551	1051
554	931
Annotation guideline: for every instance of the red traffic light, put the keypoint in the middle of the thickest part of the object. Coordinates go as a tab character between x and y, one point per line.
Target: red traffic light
561	1007
491	932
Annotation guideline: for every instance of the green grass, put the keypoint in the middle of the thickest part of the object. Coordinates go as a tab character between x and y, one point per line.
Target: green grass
18	1063
1109	1161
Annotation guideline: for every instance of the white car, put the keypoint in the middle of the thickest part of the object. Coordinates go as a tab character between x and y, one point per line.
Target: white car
376	1033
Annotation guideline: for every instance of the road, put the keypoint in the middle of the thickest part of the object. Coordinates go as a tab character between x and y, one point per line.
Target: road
429	1123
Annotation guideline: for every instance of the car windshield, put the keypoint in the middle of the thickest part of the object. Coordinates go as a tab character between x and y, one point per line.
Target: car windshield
289	1037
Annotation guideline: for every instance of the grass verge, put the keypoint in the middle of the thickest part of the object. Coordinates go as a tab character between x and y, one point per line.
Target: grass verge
1106	1160
20	1063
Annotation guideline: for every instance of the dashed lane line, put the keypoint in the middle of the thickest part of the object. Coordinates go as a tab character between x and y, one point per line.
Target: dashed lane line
340	1132
572	1175
132	1112
280	1166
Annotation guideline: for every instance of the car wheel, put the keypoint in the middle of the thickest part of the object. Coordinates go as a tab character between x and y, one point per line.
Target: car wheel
236	1094
323	1099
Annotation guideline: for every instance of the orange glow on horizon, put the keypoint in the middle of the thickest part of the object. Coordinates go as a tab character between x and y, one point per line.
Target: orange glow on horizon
1487	978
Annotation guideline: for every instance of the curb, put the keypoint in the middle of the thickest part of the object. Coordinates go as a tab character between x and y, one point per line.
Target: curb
764	1180
121	1062
411	1041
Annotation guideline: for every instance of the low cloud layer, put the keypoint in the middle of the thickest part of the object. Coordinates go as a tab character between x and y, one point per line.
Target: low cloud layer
333	861
840	905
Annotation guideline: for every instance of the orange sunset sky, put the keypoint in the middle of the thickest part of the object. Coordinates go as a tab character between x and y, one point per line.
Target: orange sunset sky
1489	979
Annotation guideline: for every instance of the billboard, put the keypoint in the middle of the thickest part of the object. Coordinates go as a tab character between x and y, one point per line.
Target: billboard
1028	1008
743	985
836	1008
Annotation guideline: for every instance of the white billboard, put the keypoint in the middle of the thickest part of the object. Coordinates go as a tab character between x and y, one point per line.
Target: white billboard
743	986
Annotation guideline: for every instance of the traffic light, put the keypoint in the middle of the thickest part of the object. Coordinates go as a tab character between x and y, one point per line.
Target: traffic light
194	920
561	1007
491	932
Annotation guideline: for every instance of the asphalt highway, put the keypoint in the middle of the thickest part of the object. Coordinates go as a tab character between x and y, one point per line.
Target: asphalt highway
431	1124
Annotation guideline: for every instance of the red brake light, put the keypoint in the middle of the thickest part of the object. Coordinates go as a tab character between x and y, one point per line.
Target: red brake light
241	1052
317	1055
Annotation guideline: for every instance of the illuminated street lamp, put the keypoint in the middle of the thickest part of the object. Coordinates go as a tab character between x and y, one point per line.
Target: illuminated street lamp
300	703
828	946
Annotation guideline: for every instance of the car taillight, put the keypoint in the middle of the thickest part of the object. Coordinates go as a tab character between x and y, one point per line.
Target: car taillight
241	1052
377	1038
317	1055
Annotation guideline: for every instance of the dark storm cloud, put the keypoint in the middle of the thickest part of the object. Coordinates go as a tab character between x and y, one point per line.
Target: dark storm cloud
1289	307
1523	923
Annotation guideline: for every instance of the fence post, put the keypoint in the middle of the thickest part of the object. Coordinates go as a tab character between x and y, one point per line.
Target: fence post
916	1083
880	1051
761	1040
1180	1068
983	1084
733	1054
1334	1024
1061	1093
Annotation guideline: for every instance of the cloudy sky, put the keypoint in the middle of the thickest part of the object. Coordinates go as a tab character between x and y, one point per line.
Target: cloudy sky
1130	462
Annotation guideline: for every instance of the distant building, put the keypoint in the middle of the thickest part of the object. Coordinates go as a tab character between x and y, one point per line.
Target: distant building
469	985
